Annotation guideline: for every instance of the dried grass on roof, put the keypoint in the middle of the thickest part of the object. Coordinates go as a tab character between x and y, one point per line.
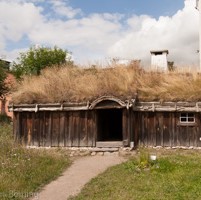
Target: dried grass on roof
72	84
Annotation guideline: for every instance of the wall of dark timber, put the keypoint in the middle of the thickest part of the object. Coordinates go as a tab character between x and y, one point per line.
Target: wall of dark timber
64	129
55	128
164	129
79	129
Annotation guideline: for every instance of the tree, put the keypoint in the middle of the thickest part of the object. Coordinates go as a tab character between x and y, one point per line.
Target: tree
171	66
36	59
5	65
3	88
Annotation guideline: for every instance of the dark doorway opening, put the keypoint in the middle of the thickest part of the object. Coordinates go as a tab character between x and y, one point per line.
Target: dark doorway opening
109	125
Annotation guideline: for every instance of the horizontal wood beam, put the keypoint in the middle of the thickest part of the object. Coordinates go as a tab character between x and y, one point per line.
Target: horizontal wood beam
139	106
168	107
46	107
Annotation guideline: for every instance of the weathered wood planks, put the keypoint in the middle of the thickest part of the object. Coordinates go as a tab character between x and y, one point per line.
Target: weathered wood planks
79	128
55	129
164	129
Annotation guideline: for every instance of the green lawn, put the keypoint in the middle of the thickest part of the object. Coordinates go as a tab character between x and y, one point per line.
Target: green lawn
176	175
23	171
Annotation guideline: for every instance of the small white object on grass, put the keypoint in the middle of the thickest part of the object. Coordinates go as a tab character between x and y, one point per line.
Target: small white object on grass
153	157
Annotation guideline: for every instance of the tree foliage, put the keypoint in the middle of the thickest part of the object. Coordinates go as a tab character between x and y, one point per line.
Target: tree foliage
3	86
4	65
36	59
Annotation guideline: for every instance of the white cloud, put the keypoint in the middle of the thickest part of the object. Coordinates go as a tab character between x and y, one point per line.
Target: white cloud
178	34
93	36
62	9
16	20
95	33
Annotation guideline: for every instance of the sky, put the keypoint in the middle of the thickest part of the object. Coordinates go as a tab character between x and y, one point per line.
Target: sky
95	31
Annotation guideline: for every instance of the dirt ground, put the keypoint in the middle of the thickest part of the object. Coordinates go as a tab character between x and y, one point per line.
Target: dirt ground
76	176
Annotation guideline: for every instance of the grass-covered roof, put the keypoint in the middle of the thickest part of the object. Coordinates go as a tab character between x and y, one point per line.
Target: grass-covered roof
74	84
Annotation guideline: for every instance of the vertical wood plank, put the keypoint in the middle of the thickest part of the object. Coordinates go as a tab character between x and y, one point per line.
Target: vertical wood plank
132	128
62	129
161	117
183	136
151	134
29	129
158	130
75	128
67	130
90	130
146	129
125	127
143	132
71	129
83	129
20	128
197	140
55	129
174	130
166	130
33	119
24	133
41	129
94	128
36	139
138	128
86	127
177	132
191	134
48	129
44	129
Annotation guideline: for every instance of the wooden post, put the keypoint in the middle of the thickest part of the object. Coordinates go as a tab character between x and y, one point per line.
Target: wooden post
126	127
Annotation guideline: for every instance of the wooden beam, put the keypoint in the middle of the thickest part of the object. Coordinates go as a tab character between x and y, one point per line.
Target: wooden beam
139	106
168	107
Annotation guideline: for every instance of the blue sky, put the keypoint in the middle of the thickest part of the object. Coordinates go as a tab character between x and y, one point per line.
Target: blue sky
100	30
154	8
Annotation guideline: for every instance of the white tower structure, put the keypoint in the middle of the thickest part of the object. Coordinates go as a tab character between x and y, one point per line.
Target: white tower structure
159	60
198	6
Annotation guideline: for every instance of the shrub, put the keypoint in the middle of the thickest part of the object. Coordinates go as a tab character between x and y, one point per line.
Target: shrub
5	118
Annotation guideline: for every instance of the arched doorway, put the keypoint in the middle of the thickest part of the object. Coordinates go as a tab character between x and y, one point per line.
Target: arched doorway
109	121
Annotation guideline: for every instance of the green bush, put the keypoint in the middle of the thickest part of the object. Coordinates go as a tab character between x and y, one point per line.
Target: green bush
5	118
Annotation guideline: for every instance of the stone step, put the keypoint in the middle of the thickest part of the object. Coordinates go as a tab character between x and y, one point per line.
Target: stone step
104	149
109	144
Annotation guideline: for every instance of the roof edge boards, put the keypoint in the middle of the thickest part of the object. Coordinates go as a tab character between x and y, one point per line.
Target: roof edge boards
136	106
69	106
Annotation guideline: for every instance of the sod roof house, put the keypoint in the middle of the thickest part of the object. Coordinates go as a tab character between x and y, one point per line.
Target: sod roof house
119	106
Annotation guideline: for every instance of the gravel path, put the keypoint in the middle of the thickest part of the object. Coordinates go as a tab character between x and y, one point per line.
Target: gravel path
76	176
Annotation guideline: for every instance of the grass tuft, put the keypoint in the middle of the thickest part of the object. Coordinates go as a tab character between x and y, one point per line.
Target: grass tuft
24	171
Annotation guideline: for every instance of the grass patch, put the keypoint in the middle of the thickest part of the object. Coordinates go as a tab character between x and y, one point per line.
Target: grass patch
24	171
175	175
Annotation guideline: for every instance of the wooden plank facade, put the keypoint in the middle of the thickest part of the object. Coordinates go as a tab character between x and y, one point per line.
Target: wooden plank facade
46	128
108	119
165	129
